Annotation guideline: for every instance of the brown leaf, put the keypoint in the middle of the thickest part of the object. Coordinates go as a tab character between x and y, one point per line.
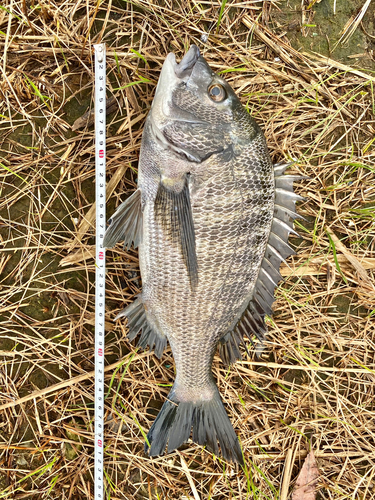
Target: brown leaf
305	487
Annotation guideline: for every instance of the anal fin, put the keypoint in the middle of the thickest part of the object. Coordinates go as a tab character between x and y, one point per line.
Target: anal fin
229	346
138	322
126	223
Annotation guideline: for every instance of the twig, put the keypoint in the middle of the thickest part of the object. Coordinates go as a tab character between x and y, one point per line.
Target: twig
286	475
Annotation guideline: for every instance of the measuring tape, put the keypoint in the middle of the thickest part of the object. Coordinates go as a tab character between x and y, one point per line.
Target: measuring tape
100	197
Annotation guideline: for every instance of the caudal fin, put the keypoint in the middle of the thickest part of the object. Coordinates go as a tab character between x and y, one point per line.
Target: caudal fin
209	421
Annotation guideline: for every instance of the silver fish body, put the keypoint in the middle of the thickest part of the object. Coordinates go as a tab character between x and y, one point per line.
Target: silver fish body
212	227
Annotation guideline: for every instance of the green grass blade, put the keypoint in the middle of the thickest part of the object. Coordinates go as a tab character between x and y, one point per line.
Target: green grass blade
130	84
37	92
11	13
11	171
223	3
120	381
332	245
139	55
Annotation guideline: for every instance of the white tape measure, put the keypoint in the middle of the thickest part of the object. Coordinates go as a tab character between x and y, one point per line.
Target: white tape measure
100	197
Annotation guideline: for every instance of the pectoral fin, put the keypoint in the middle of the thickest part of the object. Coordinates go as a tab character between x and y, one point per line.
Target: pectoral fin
174	214
126	223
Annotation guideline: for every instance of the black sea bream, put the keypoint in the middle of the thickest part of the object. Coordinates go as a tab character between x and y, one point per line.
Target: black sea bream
211	217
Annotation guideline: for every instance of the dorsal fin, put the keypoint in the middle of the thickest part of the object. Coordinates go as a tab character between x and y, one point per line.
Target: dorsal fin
126	223
251	321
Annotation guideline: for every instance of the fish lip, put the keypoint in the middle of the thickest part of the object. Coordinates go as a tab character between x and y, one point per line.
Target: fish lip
185	67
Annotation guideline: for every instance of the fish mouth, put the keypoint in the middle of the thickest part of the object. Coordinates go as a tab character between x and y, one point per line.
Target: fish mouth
171	76
185	67
182	71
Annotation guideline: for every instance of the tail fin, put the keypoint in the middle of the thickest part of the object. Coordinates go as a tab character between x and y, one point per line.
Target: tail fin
209	421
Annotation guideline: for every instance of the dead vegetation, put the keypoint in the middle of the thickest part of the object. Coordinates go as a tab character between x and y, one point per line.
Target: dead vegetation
313	389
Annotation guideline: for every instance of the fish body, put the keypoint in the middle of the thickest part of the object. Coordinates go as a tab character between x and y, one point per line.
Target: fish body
212	227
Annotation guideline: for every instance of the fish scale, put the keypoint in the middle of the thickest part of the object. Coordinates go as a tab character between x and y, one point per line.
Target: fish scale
213	216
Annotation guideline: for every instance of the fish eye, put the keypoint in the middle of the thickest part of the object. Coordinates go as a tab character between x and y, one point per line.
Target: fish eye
217	92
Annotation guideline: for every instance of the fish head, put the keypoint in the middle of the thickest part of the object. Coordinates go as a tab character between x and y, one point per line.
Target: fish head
195	112
191	91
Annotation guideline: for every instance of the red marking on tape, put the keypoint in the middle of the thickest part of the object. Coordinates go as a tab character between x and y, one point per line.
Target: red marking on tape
101	153
100	352
101	255
100	443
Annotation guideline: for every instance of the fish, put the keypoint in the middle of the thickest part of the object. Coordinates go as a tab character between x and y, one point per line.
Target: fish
211	217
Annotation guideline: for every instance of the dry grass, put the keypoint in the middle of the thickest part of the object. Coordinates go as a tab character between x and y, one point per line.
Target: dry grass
315	387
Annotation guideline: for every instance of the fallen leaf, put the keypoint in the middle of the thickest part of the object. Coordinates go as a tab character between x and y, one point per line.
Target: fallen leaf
305	487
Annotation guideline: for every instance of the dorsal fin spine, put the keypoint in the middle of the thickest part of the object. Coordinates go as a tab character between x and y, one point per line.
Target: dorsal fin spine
252	321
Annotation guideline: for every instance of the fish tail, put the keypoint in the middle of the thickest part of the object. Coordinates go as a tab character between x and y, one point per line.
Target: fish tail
208	420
